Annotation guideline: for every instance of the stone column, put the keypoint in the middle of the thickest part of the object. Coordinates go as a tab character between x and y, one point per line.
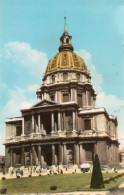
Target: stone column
59	122
45	95
11	157
35	162
60	154
23	133
76	157
64	154
81	154
52	122
38	122
86	98
31	156
53	154
39	155
32	123
74	121
23	156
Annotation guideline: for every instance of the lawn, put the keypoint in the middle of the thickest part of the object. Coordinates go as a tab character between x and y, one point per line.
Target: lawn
64	183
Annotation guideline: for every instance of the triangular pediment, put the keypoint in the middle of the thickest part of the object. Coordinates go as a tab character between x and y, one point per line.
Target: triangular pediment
44	103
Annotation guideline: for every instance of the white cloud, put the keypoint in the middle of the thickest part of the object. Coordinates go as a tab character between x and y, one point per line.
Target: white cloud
113	104
16	102
33	88
22	53
96	77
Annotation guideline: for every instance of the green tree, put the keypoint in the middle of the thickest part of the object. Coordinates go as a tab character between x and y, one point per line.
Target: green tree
97	178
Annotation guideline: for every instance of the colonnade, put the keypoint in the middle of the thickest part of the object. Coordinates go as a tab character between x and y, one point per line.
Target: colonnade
59	125
58	155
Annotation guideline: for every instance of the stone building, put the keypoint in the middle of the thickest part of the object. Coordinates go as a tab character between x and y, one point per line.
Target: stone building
63	127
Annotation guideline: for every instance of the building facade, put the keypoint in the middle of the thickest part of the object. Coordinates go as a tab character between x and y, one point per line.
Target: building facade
63	127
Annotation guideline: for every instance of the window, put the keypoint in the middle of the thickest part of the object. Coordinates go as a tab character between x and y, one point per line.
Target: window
65	76
78	76
65	97
18	131
53	78
79	100
87	124
67	40
52	97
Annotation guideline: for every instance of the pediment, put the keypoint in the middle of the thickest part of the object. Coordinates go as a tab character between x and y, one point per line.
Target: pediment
44	103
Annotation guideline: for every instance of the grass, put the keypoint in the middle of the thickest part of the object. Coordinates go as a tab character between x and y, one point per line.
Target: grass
64	183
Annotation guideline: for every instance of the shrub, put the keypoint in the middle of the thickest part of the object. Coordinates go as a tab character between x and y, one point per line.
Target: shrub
18	176
97	178
29	176
55	173
53	187
106	181
39	174
61	172
3	191
3	178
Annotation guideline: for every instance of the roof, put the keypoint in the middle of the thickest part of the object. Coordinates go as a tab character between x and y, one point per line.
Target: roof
66	60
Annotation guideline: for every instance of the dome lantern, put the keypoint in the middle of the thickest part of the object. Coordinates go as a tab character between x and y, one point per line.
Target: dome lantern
65	40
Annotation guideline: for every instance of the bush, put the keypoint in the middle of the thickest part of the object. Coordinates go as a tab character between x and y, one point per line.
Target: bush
53	187
39	174
97	178
29	176
61	172
18	176
106	181
3	191
3	178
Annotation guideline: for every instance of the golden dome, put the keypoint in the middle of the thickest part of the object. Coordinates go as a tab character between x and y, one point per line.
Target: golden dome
66	61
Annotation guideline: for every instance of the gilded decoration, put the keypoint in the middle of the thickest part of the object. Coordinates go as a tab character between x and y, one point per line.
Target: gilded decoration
66	60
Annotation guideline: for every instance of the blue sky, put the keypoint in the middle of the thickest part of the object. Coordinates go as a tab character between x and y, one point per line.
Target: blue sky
29	38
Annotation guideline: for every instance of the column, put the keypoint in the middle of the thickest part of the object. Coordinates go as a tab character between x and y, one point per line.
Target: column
83	154
60	154
72	95
86	98
11	157
32	123
31	156
74	121
60	97
23	134
64	154
38	122
53	154
23	156
45	95
35	163
59	122
75	154
80	154
39	155
52	122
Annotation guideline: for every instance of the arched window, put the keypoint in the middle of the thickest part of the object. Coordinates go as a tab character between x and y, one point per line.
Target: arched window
78	76
52	97
67	40
53	78
65	76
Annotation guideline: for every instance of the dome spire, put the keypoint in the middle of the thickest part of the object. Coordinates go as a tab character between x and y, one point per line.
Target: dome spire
65	27
65	40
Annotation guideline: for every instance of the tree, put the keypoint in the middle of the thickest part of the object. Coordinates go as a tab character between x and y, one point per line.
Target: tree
97	178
